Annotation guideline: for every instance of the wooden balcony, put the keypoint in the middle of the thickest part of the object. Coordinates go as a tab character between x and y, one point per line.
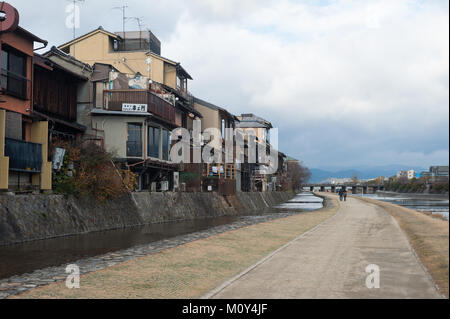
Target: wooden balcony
113	100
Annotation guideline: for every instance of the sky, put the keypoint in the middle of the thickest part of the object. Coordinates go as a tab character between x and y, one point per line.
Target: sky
347	83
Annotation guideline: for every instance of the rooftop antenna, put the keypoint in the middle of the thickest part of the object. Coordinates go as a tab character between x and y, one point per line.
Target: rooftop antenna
139	21
74	3
124	18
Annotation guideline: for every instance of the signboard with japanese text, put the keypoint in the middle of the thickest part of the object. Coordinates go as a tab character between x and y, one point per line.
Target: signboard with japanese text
127	107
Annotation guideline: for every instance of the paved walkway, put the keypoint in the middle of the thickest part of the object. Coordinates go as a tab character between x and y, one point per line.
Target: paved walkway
330	262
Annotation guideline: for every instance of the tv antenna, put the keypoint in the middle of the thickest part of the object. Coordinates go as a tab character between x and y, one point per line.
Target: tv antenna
74	3
140	24
75	17
124	18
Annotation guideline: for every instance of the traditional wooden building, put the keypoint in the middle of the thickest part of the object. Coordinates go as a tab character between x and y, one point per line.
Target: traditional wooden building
221	176
135	119
55	98
23	138
253	125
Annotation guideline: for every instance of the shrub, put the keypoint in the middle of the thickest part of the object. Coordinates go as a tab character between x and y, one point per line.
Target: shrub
94	173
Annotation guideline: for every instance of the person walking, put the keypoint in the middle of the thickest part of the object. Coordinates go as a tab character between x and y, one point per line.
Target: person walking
341	194
345	195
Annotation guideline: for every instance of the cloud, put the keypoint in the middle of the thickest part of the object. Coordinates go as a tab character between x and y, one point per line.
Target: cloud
372	71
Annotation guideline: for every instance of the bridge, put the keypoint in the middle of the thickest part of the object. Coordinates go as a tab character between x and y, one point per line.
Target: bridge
355	188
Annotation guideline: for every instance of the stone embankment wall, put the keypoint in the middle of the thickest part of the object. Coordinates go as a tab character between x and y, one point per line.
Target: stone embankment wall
33	217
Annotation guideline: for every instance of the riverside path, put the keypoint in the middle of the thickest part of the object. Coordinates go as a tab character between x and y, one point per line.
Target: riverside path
330	262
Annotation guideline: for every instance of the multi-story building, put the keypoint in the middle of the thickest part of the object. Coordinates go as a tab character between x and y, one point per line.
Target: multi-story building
69	105
221	176
129	53
135	121
439	171
425	174
138	99
23	136
252	125
61	84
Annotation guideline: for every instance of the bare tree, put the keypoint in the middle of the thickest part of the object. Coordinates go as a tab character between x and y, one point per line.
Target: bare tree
298	174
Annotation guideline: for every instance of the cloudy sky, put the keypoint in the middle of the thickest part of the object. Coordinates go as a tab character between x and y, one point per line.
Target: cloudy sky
347	83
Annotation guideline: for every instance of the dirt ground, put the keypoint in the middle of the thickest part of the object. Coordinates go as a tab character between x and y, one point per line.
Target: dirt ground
190	270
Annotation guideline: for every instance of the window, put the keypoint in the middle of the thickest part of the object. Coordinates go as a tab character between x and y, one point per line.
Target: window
134	142
14	74
165	144
153	141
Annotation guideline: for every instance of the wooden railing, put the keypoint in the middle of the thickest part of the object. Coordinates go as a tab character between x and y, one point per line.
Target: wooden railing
114	99
222	171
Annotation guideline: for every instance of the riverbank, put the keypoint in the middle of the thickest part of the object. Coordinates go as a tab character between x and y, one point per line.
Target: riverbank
191	269
428	236
26	218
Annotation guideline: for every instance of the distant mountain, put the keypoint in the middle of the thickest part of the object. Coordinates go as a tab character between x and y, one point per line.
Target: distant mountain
318	175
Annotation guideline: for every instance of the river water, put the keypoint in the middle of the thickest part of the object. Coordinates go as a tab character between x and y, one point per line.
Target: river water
305	201
24	258
422	204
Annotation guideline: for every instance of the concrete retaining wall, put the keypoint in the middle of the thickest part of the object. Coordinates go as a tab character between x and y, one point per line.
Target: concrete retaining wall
32	217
